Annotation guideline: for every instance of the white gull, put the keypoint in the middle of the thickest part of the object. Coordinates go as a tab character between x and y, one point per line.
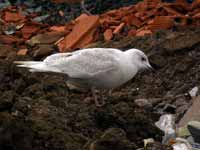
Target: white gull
93	68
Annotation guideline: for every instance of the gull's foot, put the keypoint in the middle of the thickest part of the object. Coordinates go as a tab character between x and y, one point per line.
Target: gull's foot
99	104
96	97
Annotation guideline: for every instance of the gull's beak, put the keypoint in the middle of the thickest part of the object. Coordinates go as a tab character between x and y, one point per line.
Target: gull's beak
151	68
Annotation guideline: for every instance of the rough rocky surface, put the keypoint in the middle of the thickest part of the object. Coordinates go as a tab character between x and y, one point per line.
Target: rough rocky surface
37	112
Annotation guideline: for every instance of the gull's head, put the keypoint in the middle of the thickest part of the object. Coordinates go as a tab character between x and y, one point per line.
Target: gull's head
139	59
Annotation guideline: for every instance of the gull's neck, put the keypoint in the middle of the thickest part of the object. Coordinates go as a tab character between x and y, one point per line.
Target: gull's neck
131	62
131	55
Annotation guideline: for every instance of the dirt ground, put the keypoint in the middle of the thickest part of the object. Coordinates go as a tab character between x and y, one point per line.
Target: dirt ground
38	113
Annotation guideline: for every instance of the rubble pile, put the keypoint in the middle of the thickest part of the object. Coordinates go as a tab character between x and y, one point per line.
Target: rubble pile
24	29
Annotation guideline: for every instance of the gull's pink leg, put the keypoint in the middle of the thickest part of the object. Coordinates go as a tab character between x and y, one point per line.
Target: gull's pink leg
95	96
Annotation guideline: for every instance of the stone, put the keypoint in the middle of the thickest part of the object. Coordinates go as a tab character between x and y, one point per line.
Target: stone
6	100
113	138
43	50
46	38
194	128
144	103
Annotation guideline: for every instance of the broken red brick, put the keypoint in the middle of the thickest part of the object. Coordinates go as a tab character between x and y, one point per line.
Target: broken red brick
108	35
150	4
143	32
196	16
132	32
119	28
22	52
9	39
161	22
81	17
195	4
13	16
172	11
58	28
132	20
84	27
141	7
29	29
90	37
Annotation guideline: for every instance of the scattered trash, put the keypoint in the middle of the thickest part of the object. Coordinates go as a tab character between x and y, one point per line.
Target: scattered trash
194	129
182	144
194	91
22	52
166	123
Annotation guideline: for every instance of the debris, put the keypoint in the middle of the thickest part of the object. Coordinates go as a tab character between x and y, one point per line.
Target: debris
119	28
10	29
143	32
112	137
194	129
166	123
156	146
140	19
182	144
5	50
82	34
108	35
147	141
58	28
43	50
193	92
22	52
29	29
46	38
13	16
161	22
9	39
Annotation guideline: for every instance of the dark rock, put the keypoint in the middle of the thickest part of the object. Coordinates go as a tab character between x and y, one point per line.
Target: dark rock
46	38
143	103
43	50
158	146
6	51
16	134
113	138
6	100
194	129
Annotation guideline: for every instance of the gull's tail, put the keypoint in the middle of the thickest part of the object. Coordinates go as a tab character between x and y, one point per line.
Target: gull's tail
34	66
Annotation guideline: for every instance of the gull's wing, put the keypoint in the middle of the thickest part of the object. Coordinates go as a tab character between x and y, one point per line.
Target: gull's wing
85	63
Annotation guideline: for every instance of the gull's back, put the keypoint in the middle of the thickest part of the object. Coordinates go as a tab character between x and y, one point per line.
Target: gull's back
94	67
97	67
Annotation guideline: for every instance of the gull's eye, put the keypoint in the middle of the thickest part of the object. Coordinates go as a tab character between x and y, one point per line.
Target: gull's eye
143	59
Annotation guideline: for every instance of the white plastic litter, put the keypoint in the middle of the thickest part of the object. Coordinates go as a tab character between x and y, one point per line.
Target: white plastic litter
166	123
